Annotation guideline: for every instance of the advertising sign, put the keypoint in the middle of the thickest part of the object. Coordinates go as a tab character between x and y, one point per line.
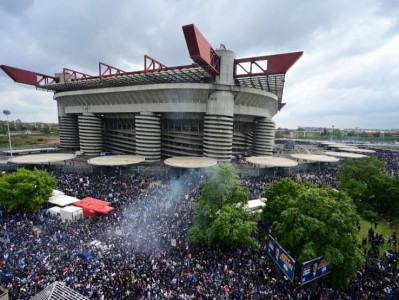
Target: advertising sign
314	269
285	262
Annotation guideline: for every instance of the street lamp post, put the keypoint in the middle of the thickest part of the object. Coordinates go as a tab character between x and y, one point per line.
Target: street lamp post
332	133
7	112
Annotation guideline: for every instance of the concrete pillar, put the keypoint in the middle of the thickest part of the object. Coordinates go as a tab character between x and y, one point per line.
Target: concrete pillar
264	137
219	117
249	138
90	134
218	137
69	132
148	136
226	75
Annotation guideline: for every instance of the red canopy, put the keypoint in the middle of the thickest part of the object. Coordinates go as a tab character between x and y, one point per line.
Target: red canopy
98	206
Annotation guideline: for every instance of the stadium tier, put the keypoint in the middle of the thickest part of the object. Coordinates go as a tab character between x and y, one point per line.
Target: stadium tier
216	107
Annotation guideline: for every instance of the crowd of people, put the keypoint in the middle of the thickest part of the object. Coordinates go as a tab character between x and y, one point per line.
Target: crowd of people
391	159
144	253
317	176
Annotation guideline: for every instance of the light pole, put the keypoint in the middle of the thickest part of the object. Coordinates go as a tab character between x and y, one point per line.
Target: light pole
332	133
7	112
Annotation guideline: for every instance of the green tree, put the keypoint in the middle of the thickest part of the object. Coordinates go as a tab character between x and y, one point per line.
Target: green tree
356	175
232	227
337	133
309	222
385	190
55	131
26	190
220	217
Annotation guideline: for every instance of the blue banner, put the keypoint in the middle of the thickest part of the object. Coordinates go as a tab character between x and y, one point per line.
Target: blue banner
89	257
285	262
314	269
21	263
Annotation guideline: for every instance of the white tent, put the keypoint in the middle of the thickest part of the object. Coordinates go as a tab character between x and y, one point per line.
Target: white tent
57	192
254	205
62	200
54	211
58	291
71	213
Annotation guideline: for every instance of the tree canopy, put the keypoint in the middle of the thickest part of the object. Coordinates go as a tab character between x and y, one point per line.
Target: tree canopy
366	180
355	176
309	222
25	190
220	217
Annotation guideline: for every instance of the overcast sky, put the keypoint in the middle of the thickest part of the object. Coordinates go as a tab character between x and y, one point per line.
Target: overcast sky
348	75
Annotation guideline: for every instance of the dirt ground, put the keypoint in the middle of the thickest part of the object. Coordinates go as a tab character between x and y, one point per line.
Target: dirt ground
52	140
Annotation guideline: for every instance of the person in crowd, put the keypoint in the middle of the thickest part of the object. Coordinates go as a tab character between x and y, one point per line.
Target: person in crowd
144	253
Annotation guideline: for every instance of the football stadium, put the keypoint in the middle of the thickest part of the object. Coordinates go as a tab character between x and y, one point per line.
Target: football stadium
215	107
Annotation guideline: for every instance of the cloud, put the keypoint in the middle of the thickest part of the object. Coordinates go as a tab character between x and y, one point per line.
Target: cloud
348	71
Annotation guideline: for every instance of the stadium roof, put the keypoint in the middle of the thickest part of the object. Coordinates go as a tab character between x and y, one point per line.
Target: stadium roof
116	160
314	157
190	162
58	291
271	161
192	74
358	150
262	72
344	154
336	145
182	74
41	158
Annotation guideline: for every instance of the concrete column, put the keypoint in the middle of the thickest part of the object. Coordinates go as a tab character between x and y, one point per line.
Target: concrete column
264	137
219	117
69	132
148	136
249	139
218	126
90	134
218	137
226	75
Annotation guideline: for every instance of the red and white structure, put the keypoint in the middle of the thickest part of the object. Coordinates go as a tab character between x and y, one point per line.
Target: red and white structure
214	107
92	206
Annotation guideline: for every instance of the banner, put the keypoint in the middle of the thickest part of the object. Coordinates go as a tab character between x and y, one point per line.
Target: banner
314	269
285	262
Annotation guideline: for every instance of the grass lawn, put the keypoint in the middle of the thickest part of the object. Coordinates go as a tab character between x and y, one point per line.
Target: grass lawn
382	228
28	140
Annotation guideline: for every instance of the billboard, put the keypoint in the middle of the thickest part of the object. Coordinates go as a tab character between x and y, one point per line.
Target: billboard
285	262
314	269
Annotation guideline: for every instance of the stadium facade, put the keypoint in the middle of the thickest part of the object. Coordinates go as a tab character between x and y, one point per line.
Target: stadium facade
215	107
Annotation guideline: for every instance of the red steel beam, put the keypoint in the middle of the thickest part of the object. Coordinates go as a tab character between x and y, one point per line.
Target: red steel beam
275	64
107	70
149	70
200	50
72	75
152	65
28	77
